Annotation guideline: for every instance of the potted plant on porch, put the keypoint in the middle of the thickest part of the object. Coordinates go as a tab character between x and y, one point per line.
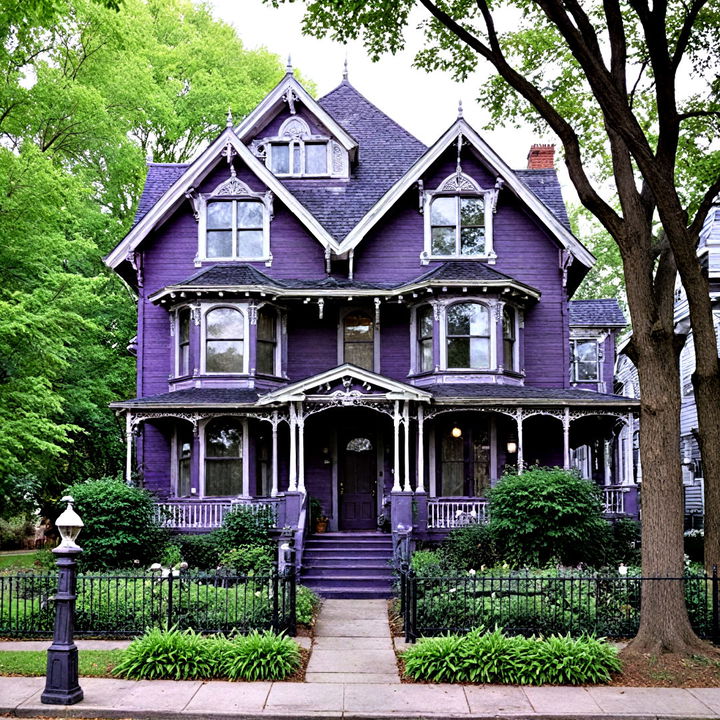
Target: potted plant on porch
318	519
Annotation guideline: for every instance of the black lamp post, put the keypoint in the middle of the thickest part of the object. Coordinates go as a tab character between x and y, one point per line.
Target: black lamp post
61	682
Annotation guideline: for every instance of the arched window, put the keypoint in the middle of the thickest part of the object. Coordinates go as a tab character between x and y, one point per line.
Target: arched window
509	338
224	341
223	457
297	152
267	341
359	340
468	336
235	229
183	343
425	339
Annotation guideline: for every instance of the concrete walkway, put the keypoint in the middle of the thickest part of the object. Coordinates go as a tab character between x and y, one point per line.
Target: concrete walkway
352	644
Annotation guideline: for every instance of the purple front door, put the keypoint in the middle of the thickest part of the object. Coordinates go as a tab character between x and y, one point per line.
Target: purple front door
358	477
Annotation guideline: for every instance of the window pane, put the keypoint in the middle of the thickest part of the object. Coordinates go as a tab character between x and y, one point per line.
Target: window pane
316	159
508	322
223	439
586	357
184	329
223	477
297	165
219	243
184	363
425	323
443	211
360	354
509	354
472	241
219	215
266	325
358	327
224	356
458	353
479	352
249	214
250	243
479	320
443	241
468	319
426	355
265	357
280	158
184	448
472	211
453	466
587	371
225	323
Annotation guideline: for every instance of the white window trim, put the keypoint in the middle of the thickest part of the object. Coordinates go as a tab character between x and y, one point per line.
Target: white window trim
203	338
278	339
489	306
202	426
515	368
469	189
176	344
599	362
341	336
233	190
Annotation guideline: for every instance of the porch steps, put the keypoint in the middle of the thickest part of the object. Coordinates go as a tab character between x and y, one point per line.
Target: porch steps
348	565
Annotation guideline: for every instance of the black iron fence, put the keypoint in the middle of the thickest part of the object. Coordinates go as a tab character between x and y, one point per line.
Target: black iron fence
525	604
121	604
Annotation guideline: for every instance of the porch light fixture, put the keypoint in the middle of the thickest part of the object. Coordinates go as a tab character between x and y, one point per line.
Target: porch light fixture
456	432
511	447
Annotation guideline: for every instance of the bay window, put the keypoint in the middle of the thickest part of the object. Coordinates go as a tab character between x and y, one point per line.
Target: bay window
425	328
183	343
266	361
468	336
509	338
224	341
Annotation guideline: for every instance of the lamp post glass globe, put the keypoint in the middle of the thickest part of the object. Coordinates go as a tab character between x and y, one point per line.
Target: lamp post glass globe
69	524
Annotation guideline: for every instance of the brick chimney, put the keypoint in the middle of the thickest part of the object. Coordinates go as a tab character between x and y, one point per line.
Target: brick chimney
541	157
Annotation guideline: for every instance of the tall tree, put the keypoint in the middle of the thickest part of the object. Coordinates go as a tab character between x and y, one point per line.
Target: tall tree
86	93
604	76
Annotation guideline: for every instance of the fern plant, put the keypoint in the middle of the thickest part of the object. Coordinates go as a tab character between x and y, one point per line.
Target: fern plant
260	656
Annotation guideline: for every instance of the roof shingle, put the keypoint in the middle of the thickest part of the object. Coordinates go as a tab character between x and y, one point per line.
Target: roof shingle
596	313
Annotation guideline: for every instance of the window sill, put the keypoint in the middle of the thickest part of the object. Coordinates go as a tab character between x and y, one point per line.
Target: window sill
267	259
490	258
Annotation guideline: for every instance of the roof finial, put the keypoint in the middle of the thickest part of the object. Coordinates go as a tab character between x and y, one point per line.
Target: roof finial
345	69
229	120
289	67
460	109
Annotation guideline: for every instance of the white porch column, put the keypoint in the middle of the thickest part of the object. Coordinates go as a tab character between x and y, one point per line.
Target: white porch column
519	421
128	448
420	485
629	477
292	482
396	448
566	438
607	461
274	471
301	449
406	422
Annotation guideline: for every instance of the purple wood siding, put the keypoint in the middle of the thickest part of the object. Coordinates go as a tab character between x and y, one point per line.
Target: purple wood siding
395	342
155	461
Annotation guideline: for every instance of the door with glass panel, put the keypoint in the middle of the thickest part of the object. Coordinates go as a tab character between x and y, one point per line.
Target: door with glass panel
357	452
464	459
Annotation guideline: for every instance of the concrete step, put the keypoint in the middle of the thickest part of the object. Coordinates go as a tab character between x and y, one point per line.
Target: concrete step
334	551
351	561
351	593
346	580
359	571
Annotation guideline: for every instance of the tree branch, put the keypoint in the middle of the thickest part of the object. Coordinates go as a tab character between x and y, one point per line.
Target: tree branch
704	208
686	32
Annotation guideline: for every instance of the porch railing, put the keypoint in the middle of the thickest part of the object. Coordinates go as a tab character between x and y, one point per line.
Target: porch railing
614	500
446	514
206	515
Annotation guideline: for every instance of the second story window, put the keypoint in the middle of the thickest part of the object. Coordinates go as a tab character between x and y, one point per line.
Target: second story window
296	151
359	340
586	361
468	336
267	341
235	229
425	328
183	340
509	338
224	341
457	226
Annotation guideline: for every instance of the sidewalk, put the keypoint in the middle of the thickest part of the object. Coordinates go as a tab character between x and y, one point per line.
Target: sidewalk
352	674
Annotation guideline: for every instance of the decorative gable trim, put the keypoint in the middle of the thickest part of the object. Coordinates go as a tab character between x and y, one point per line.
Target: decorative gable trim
287	90
496	165
192	177
346	375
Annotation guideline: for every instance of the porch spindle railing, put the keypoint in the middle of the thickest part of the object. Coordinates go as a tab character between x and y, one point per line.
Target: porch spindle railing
614	500
444	514
205	515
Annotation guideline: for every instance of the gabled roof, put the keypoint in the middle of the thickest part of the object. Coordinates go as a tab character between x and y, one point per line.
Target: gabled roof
160	176
497	166
274	102
389	389
385	154
596	313
192	176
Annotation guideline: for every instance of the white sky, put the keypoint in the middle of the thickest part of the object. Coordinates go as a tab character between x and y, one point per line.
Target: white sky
425	104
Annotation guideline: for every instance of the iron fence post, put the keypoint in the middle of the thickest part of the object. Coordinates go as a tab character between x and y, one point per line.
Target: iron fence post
170	599
715	609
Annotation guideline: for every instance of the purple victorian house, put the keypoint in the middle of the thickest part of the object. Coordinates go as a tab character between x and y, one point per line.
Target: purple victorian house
329	309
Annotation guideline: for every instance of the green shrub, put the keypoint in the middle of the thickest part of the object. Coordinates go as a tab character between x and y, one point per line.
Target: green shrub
120	524
172	655
480	657
547	515
200	551
306	602
256	559
260	656
622	546
171	556
470	547
14	530
246	525
429	563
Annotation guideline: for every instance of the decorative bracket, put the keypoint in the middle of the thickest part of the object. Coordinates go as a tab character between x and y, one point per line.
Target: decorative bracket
194	199
290	98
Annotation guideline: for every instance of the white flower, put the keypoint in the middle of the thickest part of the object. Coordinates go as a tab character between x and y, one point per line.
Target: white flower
471	572
183	566
258	593
622	570
156	566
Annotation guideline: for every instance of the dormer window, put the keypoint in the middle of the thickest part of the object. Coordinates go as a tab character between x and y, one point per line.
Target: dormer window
468	336
458	220
234	223
586	361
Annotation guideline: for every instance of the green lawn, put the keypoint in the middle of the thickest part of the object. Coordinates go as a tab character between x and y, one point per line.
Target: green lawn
19	561
92	663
